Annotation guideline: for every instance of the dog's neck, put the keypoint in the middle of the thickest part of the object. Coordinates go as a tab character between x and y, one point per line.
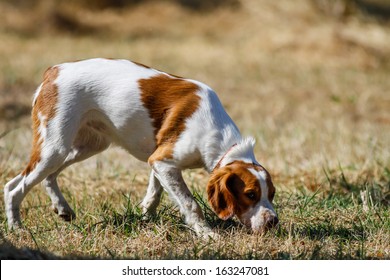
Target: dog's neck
223	157
239	151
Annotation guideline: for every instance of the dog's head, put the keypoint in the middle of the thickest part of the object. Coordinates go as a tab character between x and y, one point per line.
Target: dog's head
245	190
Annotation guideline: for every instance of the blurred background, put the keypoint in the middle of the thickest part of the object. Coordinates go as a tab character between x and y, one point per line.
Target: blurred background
308	78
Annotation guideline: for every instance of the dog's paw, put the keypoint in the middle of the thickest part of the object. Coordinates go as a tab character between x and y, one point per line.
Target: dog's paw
207	233
65	214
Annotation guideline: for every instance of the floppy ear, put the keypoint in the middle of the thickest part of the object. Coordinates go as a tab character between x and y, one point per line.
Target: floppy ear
219	194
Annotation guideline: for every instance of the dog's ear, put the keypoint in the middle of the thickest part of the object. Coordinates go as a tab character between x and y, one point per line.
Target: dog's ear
220	195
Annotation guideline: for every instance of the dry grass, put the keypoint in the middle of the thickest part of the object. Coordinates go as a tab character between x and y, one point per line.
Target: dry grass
313	90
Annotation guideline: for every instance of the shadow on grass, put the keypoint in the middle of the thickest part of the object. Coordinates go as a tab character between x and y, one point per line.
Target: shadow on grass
10	252
323	231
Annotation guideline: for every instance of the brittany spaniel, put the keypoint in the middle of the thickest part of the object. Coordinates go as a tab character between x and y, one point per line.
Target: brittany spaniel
170	122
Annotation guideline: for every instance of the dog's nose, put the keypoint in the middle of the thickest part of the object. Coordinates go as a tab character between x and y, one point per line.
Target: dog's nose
271	222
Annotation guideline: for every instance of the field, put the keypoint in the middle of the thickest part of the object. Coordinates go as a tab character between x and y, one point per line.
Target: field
311	87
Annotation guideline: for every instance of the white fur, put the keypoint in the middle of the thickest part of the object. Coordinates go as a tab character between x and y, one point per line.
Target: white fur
107	91
243	151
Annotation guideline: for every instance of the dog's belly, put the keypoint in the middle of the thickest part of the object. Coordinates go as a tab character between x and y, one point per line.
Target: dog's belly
139	141
135	135
133	131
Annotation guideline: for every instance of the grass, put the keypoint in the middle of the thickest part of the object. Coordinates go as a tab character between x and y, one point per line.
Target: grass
312	89
330	223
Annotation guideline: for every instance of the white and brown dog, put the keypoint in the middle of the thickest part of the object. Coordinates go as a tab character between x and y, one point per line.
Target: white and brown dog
171	122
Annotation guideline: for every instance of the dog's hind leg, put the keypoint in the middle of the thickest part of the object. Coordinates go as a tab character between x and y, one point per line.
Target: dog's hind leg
35	172
86	144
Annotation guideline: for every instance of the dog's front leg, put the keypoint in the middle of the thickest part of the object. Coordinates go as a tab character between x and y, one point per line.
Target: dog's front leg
172	181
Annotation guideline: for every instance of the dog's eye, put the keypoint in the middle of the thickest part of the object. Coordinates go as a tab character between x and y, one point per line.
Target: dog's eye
251	195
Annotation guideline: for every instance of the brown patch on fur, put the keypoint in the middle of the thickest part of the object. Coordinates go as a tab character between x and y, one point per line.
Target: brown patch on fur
233	189
268	180
170	102
46	100
45	105
255	166
271	187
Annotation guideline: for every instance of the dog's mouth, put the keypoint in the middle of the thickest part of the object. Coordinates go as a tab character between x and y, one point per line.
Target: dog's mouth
267	223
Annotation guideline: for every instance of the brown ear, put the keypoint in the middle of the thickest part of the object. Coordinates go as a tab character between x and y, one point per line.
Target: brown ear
219	195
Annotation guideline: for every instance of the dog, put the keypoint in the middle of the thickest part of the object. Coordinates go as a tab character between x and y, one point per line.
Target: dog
170	122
